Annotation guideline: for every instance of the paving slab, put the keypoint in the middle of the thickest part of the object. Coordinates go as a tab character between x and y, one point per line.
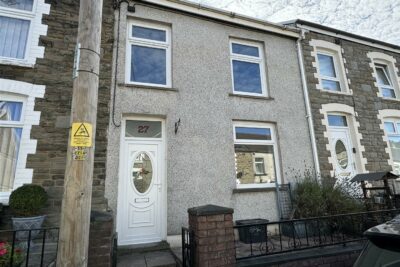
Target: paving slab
147	259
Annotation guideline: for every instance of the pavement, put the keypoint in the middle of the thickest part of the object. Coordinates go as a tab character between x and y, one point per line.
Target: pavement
162	258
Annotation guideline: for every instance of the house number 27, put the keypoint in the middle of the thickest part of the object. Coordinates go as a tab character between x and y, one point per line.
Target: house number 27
143	129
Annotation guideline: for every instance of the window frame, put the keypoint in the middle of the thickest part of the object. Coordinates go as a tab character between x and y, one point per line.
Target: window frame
335	67
396	124
260	60
130	40
385	67
272	142
36	29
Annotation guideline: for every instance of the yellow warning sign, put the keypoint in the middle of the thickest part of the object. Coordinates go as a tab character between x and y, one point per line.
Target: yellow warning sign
81	134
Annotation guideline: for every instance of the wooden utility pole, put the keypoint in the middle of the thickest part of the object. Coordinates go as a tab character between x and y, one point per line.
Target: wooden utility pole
76	204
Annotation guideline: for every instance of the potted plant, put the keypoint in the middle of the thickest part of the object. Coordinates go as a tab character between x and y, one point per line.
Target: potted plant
26	203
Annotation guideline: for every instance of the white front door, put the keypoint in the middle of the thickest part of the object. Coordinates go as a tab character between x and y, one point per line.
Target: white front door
141	216
342	152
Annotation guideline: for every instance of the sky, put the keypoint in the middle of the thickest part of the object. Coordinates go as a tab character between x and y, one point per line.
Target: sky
378	19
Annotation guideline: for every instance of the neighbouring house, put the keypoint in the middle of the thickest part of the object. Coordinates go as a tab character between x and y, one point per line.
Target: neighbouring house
37	45
354	93
208	108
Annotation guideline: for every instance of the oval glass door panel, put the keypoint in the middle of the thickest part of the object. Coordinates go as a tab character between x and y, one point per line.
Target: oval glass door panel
142	172
341	154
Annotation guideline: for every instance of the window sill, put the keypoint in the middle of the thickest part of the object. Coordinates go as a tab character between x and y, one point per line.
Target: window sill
18	63
390	99
252	96
336	92
254	189
149	87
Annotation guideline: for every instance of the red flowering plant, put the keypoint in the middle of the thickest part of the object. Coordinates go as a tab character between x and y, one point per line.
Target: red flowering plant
5	255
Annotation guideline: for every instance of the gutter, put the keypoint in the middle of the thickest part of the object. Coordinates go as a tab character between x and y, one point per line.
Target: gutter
307	104
226	16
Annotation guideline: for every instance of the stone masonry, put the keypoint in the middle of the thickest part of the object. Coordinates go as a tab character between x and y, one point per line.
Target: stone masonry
364	99
214	238
55	72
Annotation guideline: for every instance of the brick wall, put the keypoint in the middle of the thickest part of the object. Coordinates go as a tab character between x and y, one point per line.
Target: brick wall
365	101
55	72
212	228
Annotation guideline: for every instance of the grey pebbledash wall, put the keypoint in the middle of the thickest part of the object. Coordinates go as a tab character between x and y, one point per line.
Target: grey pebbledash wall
200	160
55	72
365	101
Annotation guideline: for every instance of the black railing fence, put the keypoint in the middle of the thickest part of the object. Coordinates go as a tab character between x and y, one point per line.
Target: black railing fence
253	240
188	248
36	247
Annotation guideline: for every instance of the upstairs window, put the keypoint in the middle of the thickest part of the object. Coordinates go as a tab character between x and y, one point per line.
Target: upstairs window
384	81
328	71
255	155
392	130
248	72
20	28
149	55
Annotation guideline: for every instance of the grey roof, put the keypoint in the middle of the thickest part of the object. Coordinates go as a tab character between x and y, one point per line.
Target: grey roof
337	31
374	176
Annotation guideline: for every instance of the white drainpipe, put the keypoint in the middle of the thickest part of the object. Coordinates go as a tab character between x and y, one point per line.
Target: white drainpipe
307	103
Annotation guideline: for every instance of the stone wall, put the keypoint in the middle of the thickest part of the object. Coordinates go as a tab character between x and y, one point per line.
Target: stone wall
364	99
55	72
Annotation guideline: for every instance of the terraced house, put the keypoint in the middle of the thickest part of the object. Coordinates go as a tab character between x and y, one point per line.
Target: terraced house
208	109
353	86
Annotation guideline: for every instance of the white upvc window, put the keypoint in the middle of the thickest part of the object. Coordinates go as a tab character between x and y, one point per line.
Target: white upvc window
20	28
256	155
329	73
384	81
248	68
17	116
392	131
148	51
11	125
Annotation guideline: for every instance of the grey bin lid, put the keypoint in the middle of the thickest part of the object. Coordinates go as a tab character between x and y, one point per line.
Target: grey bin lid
374	176
251	221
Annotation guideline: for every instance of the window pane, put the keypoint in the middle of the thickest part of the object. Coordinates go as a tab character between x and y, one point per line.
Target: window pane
149	129
388	93
245	50
253	133
148	33
382	76
326	65
10	139
17	4
394	142
246	77
259	165
337	120
245	156
389	127
10	111
148	65
13	37
331	85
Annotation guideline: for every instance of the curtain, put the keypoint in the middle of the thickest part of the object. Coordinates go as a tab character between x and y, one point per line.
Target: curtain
13	37
10	138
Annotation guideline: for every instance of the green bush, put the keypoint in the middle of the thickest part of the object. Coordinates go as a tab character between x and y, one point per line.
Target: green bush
28	200
314	197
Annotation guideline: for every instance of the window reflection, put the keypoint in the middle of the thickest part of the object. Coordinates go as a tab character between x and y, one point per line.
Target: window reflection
148	65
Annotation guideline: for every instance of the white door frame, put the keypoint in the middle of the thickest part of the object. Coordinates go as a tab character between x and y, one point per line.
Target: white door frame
348	145
122	169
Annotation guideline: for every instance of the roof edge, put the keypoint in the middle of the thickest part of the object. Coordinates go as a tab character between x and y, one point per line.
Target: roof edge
223	15
312	26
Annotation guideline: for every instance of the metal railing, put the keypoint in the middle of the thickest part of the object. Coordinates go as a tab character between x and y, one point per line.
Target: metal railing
254	240
34	247
188	248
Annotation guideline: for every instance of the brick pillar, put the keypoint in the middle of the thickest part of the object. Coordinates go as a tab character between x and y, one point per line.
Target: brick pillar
212	227
101	239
